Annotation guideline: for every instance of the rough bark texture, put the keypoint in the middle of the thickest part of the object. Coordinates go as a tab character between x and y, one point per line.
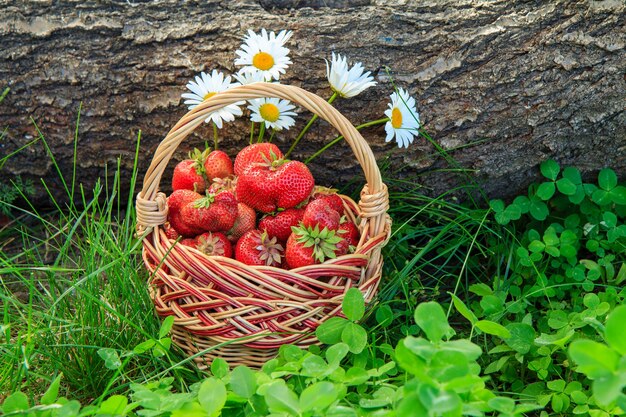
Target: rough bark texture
501	85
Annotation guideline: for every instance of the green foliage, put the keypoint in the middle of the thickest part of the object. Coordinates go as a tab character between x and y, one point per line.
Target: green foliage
564	251
12	191
605	362
437	376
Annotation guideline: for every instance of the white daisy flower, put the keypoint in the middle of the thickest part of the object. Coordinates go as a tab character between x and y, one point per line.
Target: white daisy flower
347	82
245	78
264	53
403	119
206	86
273	111
282	37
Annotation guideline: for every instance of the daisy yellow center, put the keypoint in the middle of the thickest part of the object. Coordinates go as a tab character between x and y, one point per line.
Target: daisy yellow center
269	112
396	118
208	95
263	61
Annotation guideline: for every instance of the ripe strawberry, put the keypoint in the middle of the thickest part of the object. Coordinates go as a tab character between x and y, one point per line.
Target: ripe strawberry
257	248
170	232
333	200
318	212
175	202
218	165
349	231
180	198
275	184
349	234
279	225
182	226
255	190
342	247
213	213
189	173
246	220
214	244
308	246
258	152
189	241
294	183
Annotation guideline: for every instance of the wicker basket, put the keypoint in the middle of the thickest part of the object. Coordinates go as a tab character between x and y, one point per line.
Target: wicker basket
243	314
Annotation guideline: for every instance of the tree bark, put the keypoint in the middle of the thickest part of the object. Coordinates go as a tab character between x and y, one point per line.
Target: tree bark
500	85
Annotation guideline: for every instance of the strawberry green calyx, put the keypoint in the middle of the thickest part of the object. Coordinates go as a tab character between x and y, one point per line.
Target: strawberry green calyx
270	251
223	184
273	162
213	244
204	202
199	157
324	242
320	189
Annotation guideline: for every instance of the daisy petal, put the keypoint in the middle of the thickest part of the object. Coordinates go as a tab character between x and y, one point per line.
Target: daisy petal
347	82
204	86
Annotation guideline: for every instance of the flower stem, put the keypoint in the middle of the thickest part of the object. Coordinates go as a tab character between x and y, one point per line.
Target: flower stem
271	136
261	133
251	132
339	138
214	137
308	126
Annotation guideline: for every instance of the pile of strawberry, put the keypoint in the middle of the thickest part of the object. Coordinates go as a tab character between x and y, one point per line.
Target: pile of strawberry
215	205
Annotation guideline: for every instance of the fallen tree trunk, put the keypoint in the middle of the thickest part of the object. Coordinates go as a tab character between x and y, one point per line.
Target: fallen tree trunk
501	86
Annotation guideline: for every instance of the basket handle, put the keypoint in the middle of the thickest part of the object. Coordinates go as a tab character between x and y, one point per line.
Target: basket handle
151	206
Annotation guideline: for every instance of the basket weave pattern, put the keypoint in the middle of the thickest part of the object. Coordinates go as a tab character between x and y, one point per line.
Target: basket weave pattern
244	313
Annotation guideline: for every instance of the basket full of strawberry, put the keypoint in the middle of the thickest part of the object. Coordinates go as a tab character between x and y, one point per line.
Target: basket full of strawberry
247	252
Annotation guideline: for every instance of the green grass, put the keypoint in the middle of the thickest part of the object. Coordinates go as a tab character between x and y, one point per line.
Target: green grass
73	282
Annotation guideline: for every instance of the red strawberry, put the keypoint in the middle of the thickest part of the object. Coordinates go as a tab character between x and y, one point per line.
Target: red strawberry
258	152
180	198
182	226
275	184
349	231
307	246
333	200
189	241
246	220
257	248
294	183
342	247
218	165
214	244
255	189
318	212
213	213
279	225
170	232
189	173
175	202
